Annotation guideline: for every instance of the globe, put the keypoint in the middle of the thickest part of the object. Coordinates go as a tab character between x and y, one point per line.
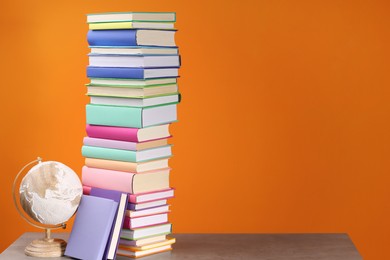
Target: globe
49	195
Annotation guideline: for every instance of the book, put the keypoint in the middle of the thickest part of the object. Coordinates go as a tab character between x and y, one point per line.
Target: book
134	50
151	196
145	221
146	205
91	228
131	25
142	242
135	102
127	166
143	253
125	181
122	200
131	92
128	134
147	232
137	37
132	16
167	241
132	82
131	73
146	212
127	155
135	61
130	116
123	145
134	206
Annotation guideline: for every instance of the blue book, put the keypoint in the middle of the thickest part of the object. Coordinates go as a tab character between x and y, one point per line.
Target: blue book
138	37
91	228
136	117
131	73
122	200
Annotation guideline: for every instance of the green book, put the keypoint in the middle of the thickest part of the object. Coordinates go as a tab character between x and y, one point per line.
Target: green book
126	155
136	117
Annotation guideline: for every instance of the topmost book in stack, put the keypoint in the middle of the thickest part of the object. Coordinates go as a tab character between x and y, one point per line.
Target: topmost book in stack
133	70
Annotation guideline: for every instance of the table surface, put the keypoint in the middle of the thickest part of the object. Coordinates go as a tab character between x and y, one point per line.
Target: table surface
231	246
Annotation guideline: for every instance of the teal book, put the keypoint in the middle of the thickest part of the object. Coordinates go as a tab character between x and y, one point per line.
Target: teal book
136	117
126	155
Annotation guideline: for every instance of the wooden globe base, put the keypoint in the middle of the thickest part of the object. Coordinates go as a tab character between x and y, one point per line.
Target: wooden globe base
46	248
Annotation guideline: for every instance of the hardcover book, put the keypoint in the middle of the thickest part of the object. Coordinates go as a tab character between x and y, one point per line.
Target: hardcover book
132	91
131	25
144	61
146	232
127	155
127	133
91	228
125	181
122	200
145	221
131	73
122	145
131	16
140	167
135	102
138	37
130	116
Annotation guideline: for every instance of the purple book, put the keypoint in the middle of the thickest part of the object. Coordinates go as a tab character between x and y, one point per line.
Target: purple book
122	200
91	228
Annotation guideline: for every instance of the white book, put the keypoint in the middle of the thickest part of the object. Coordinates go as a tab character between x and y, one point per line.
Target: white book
133	50
141	233
134	102
123	61
132	82
131	16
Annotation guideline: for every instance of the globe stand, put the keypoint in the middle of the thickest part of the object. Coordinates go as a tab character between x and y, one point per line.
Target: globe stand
46	247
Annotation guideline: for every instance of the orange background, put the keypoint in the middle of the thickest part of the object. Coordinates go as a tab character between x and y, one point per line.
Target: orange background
284	124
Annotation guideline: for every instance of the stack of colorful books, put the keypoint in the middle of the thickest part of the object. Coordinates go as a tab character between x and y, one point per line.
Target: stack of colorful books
133	70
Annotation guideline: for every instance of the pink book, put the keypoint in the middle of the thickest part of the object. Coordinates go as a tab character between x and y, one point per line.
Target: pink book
126	181
127	133
142	197
146	221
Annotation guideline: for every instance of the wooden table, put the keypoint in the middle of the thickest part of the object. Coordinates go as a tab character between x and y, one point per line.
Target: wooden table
232	246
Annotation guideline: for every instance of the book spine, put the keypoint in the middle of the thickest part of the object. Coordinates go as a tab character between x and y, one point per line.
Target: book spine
114	133
114	116
107	179
112	38
109	154
120	73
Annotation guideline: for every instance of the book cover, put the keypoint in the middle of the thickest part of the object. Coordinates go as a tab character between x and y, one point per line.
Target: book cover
91	228
122	200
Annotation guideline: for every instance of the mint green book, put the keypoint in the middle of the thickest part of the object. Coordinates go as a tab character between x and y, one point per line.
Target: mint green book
126	155
136	117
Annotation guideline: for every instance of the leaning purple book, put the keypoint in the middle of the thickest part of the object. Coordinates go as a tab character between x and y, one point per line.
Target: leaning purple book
91	228
122	200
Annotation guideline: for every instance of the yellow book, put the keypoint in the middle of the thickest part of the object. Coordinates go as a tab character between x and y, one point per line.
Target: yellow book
168	241
131	25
